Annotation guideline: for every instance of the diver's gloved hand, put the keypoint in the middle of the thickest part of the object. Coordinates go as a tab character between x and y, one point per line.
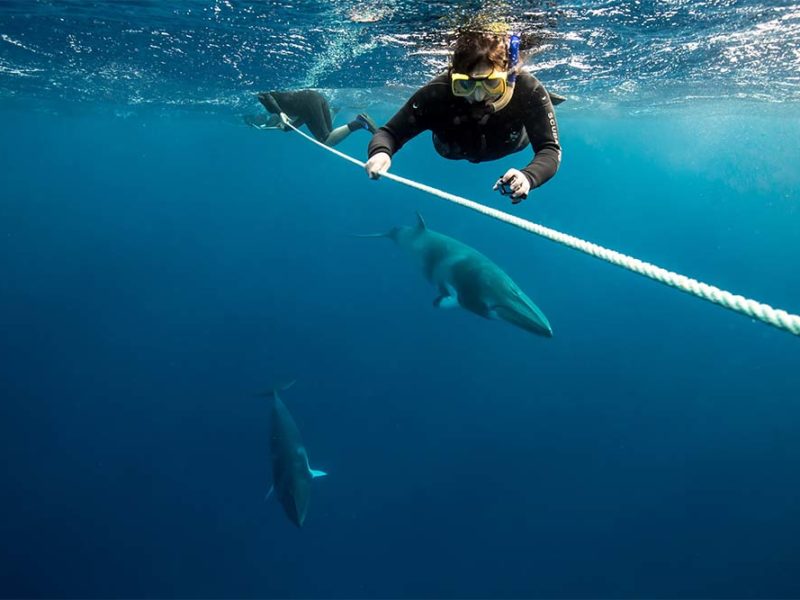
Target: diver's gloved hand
515	184
284	122
378	164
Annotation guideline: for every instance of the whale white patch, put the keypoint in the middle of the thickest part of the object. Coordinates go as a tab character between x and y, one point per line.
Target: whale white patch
447	302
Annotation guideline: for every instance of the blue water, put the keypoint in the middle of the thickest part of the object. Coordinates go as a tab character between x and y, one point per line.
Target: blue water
160	265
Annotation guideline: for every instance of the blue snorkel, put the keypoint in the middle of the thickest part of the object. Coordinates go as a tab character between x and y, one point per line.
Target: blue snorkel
513	58
511	78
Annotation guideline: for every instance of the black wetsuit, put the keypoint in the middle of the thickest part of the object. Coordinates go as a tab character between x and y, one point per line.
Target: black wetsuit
471	132
304	106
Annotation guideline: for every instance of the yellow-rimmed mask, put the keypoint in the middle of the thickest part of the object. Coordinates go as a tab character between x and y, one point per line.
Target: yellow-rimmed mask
494	84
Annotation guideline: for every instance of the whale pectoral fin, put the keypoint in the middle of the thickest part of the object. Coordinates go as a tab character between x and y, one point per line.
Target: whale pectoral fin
314	473
445	301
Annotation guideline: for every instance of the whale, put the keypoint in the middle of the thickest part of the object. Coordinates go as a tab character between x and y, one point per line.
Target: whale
465	278
291	472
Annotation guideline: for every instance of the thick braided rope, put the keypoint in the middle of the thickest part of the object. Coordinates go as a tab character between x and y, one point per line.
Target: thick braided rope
757	310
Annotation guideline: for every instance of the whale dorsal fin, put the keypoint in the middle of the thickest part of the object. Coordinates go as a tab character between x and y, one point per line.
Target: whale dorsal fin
421	222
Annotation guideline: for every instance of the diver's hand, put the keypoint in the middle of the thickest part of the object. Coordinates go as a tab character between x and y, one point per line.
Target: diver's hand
378	164
517	182
284	122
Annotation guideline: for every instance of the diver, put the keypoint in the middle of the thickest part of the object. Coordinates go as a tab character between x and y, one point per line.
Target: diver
307	107
483	108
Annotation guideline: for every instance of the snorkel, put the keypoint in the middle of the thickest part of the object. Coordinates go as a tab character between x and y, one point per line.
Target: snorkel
513	58
513	61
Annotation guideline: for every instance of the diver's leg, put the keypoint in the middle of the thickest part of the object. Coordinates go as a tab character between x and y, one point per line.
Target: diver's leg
318	117
340	133
325	109
362	121
367	122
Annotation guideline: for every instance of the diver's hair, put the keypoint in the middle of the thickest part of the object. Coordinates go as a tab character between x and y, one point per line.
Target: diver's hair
472	47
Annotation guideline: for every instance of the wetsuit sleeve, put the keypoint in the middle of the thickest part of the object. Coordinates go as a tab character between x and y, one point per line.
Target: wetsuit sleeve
408	122
542	128
269	102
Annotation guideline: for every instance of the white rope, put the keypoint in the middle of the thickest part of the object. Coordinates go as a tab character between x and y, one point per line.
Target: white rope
757	310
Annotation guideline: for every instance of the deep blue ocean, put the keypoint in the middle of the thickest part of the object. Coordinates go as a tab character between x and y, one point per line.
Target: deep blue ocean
161	263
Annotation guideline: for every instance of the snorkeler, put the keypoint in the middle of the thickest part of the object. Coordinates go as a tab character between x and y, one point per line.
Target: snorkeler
311	108
483	108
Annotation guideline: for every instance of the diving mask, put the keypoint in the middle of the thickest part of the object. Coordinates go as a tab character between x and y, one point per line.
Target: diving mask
494	84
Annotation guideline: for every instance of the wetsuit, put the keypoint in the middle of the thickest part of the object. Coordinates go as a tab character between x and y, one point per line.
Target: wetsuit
304	106
464	131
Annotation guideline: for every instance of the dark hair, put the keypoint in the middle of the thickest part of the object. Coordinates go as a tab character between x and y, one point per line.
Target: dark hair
472	47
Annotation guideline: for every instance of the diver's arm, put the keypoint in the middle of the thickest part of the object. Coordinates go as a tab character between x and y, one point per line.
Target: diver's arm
269	102
378	164
296	123
542	128
286	123
400	129
408	122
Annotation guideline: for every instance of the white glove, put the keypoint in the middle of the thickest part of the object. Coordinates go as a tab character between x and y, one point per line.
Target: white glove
378	164
285	122
517	182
